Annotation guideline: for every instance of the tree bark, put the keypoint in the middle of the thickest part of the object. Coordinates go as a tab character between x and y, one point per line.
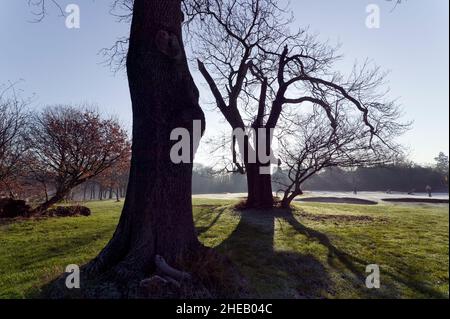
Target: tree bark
259	179
157	213
259	187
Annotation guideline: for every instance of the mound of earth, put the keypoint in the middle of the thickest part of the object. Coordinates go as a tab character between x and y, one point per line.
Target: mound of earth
68	211
416	200
11	208
338	200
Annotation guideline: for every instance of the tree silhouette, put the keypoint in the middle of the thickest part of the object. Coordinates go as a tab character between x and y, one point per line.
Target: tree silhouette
261	74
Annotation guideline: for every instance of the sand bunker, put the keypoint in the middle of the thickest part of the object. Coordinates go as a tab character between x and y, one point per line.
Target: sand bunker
338	200
416	200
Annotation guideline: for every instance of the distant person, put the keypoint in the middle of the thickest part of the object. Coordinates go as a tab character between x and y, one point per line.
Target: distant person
428	190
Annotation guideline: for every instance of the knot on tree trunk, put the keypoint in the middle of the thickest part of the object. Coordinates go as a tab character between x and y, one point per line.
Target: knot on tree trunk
168	44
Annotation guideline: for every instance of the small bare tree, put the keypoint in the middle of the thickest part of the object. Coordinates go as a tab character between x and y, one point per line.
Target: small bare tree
71	145
310	145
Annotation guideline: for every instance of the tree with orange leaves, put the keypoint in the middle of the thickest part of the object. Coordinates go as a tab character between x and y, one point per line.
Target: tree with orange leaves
73	145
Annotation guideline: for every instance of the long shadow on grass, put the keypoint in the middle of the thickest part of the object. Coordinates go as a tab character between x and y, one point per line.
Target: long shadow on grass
273	274
204	229
294	275
357	267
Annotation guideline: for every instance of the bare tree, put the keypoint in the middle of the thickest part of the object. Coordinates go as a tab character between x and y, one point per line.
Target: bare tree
13	123
310	145
71	146
260	73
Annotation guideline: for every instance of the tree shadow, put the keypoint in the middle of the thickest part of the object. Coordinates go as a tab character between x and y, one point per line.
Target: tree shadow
204	229
357	267
271	272
350	262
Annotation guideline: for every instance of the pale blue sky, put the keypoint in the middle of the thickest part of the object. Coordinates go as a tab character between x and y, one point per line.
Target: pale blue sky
62	65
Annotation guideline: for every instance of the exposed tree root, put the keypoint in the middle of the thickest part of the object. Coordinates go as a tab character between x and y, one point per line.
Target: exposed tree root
165	275
162	266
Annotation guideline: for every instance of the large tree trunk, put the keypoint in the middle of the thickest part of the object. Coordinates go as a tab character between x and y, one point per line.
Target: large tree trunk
157	214
259	179
259	187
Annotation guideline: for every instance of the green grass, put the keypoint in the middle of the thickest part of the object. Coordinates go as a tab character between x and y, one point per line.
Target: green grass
316	251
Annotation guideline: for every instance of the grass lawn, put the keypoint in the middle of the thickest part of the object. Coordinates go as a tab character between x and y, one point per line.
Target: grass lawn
316	251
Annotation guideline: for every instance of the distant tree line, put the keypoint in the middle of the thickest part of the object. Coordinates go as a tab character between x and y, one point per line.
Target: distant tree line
401	177
395	178
405	177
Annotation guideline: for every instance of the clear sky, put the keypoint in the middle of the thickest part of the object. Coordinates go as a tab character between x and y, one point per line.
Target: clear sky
62	65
